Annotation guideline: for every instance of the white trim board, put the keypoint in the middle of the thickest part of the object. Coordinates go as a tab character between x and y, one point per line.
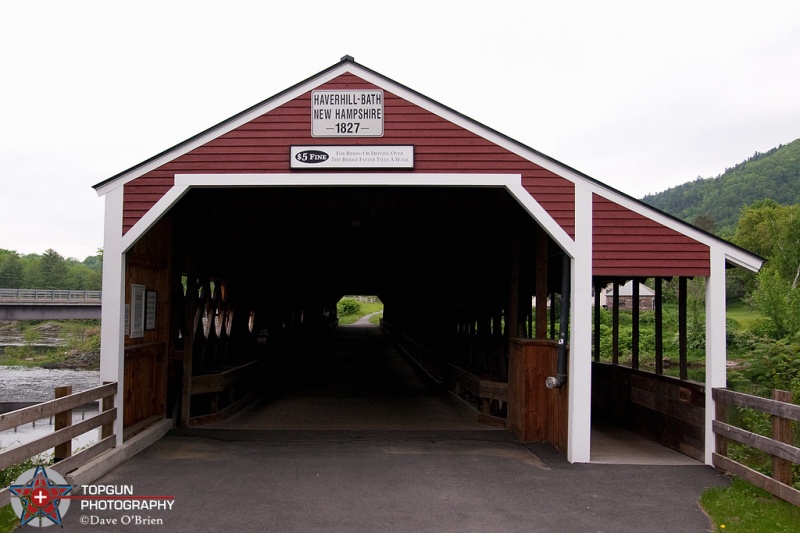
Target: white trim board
511	182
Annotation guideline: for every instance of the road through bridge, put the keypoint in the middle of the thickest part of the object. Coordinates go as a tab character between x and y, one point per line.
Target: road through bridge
37	304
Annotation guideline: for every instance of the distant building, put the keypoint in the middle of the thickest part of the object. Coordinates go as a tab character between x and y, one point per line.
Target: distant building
647	297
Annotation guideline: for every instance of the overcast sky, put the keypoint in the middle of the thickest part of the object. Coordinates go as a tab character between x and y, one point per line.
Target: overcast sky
639	95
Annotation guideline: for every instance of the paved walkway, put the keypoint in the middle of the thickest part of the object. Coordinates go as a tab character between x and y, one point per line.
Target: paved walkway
405	462
405	481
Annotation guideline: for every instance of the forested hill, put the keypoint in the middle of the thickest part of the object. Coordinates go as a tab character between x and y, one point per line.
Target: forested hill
718	201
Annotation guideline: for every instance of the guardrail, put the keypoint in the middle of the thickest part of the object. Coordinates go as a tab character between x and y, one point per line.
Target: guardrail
40	295
780	446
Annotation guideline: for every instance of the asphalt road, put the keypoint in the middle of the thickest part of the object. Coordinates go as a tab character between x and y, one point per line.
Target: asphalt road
384	481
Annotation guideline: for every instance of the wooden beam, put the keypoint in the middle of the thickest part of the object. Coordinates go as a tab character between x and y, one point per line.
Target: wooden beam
63	420
635	324
26	451
50	408
659	326
597	290
758	479
107	404
782	432
682	323
765	405
541	283
615	324
721	415
188	347
513	294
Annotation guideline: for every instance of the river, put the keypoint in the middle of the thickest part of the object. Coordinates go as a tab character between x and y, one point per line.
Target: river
21	384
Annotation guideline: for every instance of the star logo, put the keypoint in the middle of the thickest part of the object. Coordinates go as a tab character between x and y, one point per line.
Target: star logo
40	496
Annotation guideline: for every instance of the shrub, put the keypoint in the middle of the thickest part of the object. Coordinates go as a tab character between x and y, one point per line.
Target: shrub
348	306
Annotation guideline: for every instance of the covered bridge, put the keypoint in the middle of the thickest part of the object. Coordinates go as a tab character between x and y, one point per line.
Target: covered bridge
221	248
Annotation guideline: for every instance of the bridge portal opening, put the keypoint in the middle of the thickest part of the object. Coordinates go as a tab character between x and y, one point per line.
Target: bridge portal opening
257	274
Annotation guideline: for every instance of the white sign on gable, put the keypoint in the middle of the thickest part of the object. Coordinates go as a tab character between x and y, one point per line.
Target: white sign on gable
382	156
347	113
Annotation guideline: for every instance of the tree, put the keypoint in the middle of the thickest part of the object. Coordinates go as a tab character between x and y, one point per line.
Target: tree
773	231
11	271
705	223
52	270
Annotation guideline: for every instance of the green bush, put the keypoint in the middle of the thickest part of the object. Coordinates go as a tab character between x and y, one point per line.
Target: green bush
31	335
348	306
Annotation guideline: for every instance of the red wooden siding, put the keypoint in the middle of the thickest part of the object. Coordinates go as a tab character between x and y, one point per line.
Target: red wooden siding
262	146
626	243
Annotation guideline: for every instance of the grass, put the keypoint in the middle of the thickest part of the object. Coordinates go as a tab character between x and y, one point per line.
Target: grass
26	356
365	308
744	508
743	315
9	521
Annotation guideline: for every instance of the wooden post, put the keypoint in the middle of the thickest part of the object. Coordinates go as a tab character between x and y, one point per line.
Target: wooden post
682	335
63	420
597	289
635	324
188	348
659	325
541	284
514	326
782	432
615	324
721	414
107	404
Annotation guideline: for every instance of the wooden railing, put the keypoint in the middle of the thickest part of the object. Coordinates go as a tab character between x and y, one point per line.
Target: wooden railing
779	446
228	390
67	462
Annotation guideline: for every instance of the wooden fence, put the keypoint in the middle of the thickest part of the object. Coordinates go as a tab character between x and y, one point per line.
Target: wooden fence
780	446
60	438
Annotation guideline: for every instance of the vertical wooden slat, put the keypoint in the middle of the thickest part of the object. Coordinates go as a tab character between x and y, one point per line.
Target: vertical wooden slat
514	325
782	432
615	324
541	284
635	324
188	348
721	414
682	334
107	404
63	420
659	326
597	289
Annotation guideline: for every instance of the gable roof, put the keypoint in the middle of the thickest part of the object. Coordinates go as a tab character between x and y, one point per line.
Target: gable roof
347	64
